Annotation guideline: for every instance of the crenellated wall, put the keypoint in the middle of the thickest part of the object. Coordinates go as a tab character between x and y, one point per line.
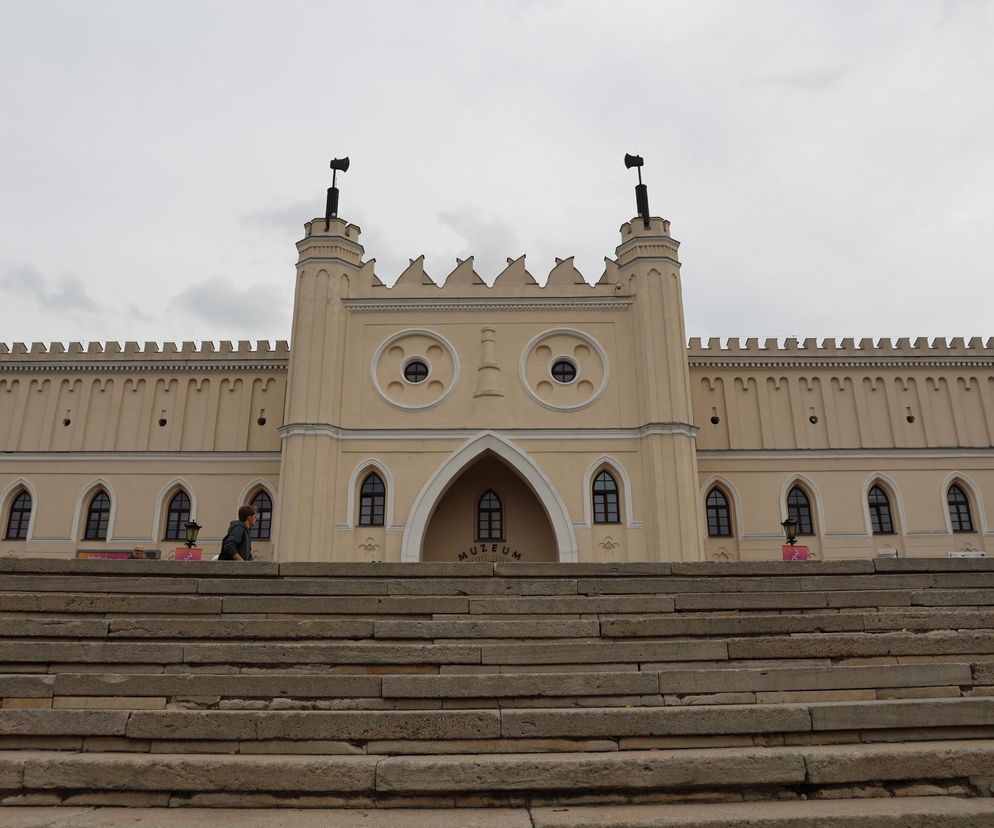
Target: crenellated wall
839	394
182	397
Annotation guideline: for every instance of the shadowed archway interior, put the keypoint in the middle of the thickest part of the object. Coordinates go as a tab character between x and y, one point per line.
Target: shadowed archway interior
453	531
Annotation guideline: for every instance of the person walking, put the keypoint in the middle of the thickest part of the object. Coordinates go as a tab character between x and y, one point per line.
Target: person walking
237	543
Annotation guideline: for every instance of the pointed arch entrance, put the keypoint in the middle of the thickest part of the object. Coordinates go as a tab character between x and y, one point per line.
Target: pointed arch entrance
443	520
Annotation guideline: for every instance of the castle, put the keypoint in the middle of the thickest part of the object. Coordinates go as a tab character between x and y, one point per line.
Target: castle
518	421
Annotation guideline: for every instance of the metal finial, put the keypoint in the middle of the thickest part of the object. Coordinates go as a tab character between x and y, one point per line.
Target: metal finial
641	191
331	206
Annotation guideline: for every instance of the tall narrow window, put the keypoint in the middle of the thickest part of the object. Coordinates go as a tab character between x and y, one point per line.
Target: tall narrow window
372	498
719	515
20	515
489	517
605	492
97	517
177	516
264	522
959	509
799	508
880	517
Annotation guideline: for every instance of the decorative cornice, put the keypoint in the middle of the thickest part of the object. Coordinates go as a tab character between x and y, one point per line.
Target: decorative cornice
141	456
750	362
328	430
844	454
163	365
456	303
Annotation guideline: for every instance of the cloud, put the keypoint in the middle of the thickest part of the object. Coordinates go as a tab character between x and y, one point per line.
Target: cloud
282	220
66	293
221	303
491	241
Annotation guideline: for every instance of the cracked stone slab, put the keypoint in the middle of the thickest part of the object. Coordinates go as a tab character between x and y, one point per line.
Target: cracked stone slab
579	771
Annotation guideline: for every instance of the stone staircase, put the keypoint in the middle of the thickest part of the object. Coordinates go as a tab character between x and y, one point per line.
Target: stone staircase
829	693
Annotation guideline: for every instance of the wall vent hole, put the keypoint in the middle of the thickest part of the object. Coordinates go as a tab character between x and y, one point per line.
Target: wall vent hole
162	422
67	422
715	419
261	421
813	419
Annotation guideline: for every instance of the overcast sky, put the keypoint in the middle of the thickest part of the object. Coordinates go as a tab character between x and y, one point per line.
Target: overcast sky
827	166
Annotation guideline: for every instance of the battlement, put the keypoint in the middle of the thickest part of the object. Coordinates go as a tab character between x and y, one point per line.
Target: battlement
515	280
340	242
243	350
867	347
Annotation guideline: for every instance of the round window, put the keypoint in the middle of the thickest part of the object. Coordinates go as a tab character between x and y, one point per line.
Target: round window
563	371
416	371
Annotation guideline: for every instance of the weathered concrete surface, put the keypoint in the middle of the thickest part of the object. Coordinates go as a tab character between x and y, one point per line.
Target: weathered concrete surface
238	628
771	568
501	685
165	772
730	625
347	725
562	605
814	678
143	605
579	771
192	684
63	722
977	712
26	685
579	570
483	586
53	628
589	653
87	583
306	653
913	760
904	812
510	629
142	568
589	723
294	586
266	818
345	605
846	645
306	569
92	651
635	586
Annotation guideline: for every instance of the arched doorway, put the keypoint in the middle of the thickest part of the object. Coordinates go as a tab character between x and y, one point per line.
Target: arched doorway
444	524
489	514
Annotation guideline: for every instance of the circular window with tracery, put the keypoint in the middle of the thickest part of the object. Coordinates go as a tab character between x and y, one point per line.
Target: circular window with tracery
416	371
563	371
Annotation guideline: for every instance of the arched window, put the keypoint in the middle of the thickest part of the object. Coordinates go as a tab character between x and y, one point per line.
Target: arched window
264	522
959	509
20	515
489	517
880	516
372	497
97	517
177	516
719	515
605	492
799	508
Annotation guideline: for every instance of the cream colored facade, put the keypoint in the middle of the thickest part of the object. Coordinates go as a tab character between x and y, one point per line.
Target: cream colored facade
307	424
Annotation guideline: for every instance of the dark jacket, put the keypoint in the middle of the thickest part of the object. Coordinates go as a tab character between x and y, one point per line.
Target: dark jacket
237	541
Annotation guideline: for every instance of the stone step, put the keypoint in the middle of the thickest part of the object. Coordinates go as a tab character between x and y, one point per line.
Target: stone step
468	627
576	723
788	623
893	811
522	779
633	688
179	581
